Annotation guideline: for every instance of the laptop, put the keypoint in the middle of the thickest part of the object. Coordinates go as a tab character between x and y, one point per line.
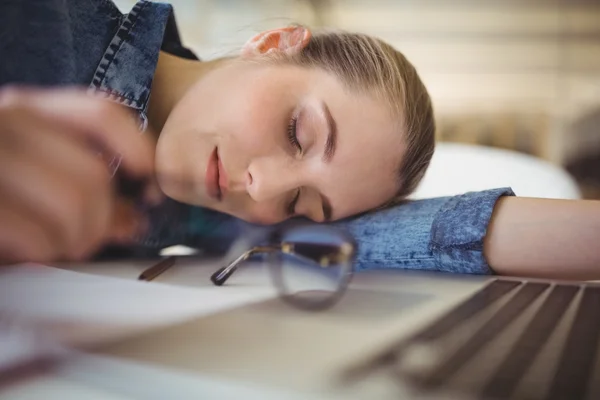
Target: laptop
394	335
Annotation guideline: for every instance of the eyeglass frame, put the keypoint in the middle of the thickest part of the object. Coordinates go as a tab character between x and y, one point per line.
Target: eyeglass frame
345	254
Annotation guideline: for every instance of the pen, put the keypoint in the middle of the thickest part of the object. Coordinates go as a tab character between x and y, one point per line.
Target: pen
157	269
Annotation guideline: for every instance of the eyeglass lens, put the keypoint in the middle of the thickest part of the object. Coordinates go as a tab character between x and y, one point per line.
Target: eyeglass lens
314	265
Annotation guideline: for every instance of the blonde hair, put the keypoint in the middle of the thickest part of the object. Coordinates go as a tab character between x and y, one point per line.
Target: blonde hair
370	65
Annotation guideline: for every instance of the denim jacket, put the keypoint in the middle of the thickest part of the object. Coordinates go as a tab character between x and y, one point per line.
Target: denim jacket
91	43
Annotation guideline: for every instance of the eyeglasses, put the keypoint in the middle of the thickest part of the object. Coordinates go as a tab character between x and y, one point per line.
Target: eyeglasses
310	265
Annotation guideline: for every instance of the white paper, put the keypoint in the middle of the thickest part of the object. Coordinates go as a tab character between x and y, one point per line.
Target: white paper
79	308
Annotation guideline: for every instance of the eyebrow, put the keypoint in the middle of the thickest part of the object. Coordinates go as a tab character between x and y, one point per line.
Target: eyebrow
331	142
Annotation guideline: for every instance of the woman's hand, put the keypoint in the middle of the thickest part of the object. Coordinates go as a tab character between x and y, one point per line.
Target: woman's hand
57	201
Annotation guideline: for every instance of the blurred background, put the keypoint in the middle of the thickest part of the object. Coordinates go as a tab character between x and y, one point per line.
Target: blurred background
516	74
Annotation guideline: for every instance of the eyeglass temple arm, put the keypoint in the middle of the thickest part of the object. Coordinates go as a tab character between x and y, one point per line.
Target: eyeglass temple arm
222	274
343	254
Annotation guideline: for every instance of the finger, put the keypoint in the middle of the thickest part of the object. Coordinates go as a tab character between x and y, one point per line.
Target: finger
58	203
24	126
94	118
22	238
60	183
127	224
152	193
91	180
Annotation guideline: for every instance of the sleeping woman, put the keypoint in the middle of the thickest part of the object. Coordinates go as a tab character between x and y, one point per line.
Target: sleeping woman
331	126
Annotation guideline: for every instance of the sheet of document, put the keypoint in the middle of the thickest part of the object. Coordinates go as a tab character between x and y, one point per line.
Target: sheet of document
40	305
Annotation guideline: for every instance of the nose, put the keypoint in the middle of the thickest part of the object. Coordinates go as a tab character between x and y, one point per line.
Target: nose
269	178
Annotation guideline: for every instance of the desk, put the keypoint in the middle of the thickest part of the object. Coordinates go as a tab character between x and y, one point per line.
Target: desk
245	342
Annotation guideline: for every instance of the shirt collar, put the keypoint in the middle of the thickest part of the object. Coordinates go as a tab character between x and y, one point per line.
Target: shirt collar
127	68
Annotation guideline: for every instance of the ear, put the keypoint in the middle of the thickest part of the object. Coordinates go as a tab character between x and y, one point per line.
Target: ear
289	40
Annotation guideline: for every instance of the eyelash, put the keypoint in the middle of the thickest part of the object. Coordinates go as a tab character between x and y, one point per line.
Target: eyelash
293	139
291	133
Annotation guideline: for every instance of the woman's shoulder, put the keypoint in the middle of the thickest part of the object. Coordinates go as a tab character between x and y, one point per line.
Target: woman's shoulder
54	42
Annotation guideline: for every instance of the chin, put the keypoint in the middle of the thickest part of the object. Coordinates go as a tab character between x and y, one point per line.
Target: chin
168	188
227	212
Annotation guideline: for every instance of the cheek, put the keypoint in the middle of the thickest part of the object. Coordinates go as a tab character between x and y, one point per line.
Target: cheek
256	118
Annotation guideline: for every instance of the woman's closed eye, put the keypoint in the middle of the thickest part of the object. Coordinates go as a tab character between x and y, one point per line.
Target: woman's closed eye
292	135
293	139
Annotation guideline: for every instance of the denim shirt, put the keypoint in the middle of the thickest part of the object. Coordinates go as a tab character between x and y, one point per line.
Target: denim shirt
90	43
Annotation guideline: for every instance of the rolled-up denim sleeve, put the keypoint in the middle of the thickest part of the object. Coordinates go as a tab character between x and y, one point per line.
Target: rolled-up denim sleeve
440	234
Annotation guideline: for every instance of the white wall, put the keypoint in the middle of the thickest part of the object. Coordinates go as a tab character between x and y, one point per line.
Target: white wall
489	55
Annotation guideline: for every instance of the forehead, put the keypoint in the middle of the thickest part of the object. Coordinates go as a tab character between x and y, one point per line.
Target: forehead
363	174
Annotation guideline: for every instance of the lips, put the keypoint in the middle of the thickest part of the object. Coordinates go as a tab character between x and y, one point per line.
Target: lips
213	188
223	178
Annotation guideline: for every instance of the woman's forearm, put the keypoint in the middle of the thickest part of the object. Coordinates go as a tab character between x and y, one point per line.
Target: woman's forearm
545	238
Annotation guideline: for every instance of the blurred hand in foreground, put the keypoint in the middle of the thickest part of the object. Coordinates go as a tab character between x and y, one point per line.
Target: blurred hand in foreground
57	199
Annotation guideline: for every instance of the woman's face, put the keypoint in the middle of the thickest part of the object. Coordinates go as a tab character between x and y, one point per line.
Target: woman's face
266	142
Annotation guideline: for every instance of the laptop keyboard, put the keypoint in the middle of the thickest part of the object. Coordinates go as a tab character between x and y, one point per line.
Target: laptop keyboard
511	339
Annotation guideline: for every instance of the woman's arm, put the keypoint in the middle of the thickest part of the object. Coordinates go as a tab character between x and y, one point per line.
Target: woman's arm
544	238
